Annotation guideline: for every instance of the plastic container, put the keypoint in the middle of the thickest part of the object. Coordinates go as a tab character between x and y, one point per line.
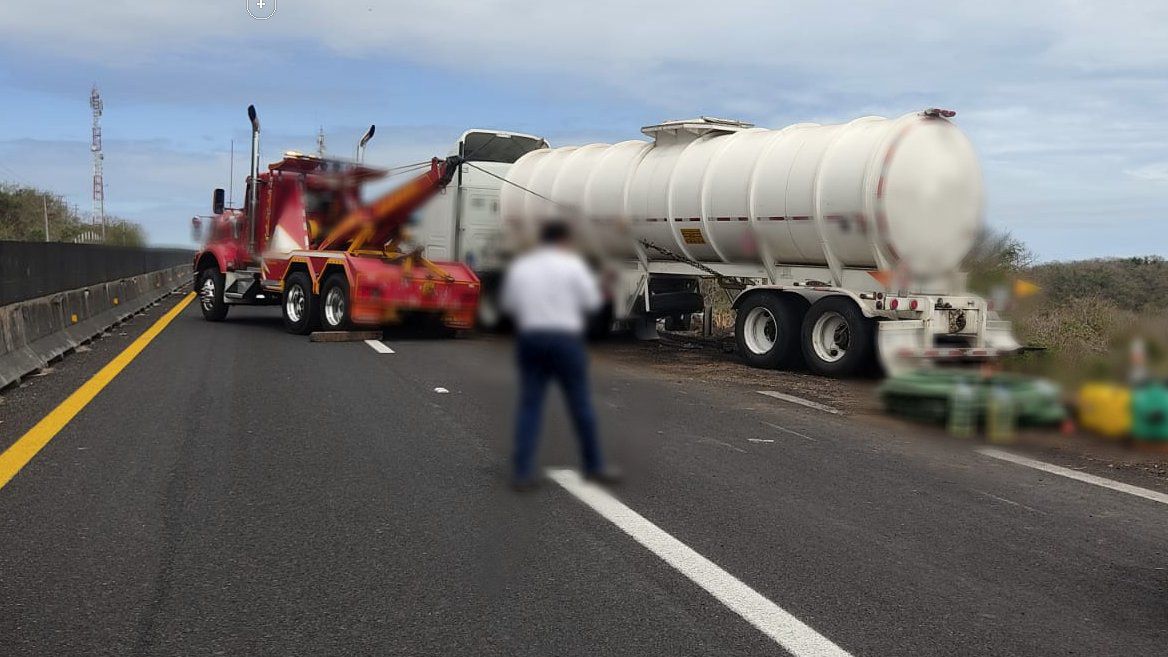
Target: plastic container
1106	409
928	394
1149	410
962	420
1001	413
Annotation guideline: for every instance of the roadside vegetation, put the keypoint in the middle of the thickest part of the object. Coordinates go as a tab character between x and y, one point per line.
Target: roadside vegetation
1087	313
22	218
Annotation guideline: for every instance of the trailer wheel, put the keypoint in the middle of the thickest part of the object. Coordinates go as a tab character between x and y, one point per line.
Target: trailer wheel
766	331
334	303
211	295
837	338
298	304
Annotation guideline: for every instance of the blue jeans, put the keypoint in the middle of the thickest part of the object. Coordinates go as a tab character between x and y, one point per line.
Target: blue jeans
543	356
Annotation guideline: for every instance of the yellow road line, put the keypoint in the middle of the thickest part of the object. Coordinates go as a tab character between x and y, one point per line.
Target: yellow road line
22	451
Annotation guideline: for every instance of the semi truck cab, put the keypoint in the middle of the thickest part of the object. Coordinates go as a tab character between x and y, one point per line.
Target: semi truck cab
464	224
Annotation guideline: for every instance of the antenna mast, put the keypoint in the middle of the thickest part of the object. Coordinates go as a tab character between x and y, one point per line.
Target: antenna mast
98	183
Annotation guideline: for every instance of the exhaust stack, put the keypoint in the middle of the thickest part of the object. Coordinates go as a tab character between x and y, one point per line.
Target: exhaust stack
364	140
253	181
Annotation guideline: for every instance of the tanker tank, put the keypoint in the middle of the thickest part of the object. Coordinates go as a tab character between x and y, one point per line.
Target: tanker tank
900	195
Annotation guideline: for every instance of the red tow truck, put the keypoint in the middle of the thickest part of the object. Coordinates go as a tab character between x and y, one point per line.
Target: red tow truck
306	240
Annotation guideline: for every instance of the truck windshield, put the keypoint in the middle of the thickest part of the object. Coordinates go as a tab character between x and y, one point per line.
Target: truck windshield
498	147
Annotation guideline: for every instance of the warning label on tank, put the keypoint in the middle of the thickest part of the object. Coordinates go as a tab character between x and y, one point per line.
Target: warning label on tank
692	236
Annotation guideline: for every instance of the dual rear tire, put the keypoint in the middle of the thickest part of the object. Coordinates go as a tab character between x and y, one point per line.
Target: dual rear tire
776	330
305	312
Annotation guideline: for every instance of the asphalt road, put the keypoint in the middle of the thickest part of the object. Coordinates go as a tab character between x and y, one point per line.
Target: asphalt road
240	491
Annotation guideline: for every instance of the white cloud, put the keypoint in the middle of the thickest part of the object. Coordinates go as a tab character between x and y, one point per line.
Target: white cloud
1063	98
1155	172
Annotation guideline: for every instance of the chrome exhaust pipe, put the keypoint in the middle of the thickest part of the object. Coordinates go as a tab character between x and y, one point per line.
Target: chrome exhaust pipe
253	182
364	140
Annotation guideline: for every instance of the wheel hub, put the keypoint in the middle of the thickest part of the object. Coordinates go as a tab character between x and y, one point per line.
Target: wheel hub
207	294
760	330
830	337
334	307
294	304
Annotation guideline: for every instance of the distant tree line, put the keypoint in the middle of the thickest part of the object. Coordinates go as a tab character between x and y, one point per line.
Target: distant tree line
22	217
1138	284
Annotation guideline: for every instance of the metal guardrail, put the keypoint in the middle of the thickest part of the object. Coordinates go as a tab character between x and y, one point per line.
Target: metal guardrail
34	269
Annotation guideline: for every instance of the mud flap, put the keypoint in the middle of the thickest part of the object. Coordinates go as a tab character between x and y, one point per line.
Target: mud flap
1000	335
644	328
896	341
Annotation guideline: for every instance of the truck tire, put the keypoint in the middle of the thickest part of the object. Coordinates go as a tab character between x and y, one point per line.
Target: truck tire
766	330
335	303
837	339
298	304
210	289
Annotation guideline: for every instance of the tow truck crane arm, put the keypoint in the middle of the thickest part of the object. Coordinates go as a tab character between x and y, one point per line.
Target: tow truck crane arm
377	225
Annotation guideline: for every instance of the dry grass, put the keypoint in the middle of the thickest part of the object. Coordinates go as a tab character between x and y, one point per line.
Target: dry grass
1088	338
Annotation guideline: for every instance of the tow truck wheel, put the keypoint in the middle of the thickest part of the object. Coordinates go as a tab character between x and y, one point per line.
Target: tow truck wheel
211	295
837	339
766	330
334	303
298	304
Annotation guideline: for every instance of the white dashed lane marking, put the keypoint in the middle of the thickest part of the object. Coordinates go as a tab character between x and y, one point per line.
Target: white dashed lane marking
379	346
790	431
799	400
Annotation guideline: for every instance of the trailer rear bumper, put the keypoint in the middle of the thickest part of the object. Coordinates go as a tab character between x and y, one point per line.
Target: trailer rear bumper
905	345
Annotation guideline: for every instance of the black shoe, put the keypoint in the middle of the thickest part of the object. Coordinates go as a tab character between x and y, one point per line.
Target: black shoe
608	476
524	485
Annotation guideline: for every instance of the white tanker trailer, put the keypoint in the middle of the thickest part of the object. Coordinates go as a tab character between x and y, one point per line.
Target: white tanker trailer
843	242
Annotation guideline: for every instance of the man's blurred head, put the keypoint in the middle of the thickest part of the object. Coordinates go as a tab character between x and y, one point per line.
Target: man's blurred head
555	232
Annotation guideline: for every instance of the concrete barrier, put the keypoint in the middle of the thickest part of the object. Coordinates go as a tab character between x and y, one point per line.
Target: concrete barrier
39	331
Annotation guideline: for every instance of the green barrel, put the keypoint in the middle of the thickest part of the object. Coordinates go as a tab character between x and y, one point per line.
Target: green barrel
1150	412
931	395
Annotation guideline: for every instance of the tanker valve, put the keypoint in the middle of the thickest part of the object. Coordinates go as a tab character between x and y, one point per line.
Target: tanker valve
937	112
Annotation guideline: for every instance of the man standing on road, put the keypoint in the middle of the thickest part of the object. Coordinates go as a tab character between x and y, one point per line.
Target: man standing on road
549	292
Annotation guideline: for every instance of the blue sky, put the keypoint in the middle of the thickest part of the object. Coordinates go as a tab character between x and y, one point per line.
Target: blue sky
1067	102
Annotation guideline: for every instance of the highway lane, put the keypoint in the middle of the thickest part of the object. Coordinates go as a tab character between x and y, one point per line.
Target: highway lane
238	490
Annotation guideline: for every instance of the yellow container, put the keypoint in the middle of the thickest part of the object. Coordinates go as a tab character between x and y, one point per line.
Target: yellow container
1106	409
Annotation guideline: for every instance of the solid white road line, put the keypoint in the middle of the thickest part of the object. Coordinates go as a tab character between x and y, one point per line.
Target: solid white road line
1145	493
379	346
799	400
789	632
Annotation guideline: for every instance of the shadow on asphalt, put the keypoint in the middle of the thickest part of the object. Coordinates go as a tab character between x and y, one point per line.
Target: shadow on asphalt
414	330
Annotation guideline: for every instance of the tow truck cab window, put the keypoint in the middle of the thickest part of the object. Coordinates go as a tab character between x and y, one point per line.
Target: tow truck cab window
498	147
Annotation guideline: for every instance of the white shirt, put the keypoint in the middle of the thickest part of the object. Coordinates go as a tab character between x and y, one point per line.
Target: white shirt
550	289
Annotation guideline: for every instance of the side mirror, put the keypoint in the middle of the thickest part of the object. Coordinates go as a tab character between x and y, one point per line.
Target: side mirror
217	201
196	229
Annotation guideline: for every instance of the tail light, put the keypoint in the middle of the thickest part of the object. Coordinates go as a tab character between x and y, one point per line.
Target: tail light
912	305
894	303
